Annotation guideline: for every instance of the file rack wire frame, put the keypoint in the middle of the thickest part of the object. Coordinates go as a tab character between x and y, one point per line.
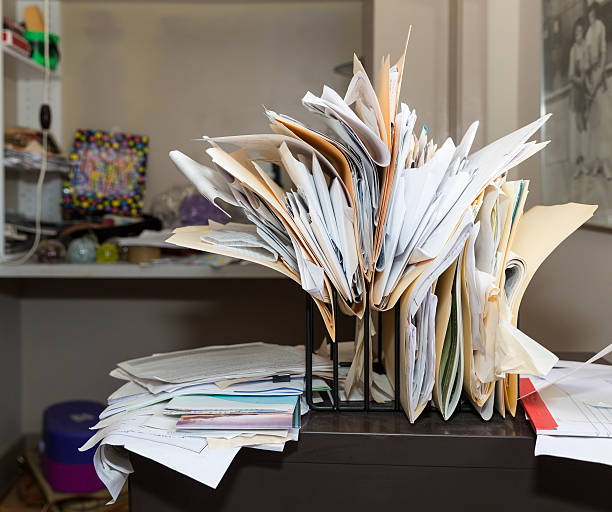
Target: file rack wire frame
336	404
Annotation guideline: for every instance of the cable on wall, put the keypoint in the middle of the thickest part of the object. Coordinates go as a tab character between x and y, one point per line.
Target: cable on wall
45	123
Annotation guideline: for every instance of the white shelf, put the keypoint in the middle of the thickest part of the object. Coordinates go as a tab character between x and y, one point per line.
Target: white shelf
24	66
134	271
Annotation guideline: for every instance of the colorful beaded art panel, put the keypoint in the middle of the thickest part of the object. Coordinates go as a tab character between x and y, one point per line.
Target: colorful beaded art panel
107	174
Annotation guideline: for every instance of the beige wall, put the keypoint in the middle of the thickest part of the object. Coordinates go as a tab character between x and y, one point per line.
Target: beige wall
502	57
468	75
426	81
178	70
567	306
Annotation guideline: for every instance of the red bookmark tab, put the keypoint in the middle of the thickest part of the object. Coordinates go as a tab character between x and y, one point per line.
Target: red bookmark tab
539	415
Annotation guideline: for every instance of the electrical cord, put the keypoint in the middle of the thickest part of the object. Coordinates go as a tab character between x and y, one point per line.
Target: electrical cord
45	121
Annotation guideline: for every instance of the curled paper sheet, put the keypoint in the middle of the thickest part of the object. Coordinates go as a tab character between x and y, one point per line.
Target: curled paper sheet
539	233
518	353
549	382
210	183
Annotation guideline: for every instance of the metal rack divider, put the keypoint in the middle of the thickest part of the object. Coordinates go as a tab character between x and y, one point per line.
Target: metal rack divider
336	404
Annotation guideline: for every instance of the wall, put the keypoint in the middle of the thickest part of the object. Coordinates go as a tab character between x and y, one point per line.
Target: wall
178	70
502	57
10	398
468	68
567	305
426	80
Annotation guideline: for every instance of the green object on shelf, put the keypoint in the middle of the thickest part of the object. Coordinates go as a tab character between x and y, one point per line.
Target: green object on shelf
107	253
37	47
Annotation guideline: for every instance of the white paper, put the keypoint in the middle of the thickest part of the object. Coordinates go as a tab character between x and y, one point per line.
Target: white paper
217	363
148	238
589	449
207	467
484	165
112	466
330	103
202	404
579	402
602	353
517	353
210	183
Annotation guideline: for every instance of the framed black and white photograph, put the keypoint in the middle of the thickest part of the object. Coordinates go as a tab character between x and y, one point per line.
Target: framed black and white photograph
577	90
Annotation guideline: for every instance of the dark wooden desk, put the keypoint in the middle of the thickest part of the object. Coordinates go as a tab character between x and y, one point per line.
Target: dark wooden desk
379	462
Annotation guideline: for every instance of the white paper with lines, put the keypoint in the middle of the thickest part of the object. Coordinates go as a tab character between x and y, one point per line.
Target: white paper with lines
581	404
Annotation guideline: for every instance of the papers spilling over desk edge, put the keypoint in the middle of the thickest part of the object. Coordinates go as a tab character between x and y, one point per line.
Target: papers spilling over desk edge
368	203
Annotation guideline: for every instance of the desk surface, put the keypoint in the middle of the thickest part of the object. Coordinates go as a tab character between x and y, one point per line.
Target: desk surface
466	423
384	438
368	462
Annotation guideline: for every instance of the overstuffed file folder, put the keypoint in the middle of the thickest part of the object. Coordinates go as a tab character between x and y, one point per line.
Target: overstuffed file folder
374	215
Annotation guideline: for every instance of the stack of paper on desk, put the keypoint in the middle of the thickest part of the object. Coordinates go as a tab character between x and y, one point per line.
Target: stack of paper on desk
192	410
571	411
217	364
371	206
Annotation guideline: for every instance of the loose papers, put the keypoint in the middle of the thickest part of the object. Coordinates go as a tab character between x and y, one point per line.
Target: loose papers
163	372
576	399
193	410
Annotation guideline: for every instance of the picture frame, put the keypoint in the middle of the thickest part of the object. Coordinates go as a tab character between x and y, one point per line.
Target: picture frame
577	90
107	175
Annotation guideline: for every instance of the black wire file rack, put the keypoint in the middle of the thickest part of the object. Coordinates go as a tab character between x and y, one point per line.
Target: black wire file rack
365	405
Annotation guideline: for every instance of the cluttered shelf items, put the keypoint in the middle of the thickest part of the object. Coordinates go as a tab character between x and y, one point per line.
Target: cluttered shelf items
367	210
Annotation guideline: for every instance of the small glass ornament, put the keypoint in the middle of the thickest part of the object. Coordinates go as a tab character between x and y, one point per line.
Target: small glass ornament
82	250
51	251
107	253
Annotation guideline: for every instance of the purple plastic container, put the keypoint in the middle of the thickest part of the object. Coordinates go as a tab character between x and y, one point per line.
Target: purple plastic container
65	429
